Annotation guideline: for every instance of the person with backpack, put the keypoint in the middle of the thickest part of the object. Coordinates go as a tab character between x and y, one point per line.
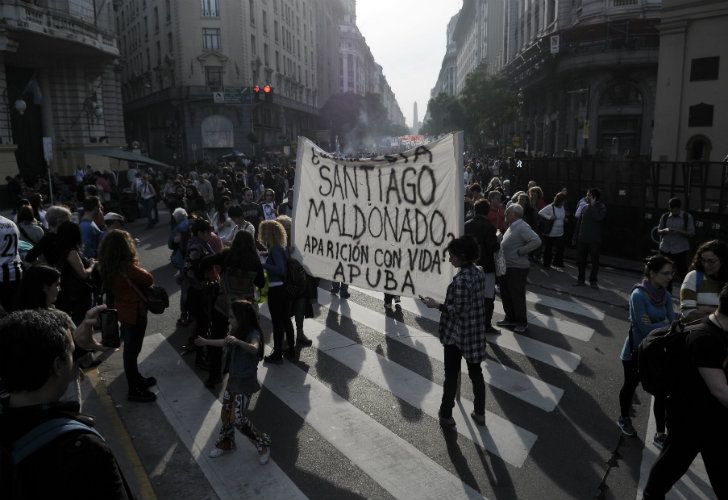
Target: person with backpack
676	227
240	274
707	276
697	408
650	307
243	351
272	235
49	449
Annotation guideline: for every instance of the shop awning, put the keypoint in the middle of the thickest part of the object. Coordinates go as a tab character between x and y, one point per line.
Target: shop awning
119	154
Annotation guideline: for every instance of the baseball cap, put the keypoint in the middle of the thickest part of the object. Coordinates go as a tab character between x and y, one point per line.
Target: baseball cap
113	216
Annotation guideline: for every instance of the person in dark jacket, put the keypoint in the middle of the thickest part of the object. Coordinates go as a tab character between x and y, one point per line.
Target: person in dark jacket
480	228
36	367
272	235
590	216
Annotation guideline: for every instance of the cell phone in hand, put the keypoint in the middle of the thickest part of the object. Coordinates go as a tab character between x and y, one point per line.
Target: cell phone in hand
110	336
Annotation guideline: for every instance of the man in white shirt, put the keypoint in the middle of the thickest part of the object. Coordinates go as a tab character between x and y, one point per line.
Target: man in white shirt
148	196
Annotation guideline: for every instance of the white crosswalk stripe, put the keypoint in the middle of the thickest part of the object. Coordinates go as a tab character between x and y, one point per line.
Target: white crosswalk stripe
500	437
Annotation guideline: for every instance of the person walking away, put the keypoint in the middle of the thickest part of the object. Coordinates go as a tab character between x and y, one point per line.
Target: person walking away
518	241
243	351
706	278
589	236
480	228
462	328
554	240
675	229
650	307
148	196
697	411
124	279
272	236
91	233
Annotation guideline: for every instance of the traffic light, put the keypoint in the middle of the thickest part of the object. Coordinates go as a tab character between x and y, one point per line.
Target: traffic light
266	90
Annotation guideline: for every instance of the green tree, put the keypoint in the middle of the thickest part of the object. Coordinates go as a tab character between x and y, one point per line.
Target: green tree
446	115
489	102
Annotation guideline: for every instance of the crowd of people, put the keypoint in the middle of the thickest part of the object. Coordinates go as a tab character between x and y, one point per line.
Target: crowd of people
230	243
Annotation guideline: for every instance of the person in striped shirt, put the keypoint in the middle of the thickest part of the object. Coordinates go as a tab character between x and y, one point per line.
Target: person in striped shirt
702	284
11	271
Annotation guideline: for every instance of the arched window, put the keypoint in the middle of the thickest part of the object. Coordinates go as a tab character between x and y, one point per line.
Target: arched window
698	148
217	132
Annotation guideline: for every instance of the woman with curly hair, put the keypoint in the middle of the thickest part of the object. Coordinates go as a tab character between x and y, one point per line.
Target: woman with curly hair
272	236
701	286
124	279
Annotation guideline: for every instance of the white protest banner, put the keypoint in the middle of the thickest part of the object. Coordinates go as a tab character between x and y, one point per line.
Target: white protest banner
383	223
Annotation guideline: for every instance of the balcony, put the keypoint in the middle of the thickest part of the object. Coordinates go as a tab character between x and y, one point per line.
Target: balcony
29	22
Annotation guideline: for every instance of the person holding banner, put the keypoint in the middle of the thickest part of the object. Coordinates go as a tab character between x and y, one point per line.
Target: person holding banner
272	235
462	328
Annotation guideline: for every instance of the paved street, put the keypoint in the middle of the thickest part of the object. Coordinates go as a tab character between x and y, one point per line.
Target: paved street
356	416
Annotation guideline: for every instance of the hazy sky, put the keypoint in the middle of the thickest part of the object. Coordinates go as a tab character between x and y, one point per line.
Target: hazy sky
407	38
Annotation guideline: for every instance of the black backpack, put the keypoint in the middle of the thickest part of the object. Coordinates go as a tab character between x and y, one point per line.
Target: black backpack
296	278
661	358
38	437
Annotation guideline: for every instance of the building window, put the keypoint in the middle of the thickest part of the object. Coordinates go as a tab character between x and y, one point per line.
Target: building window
266	59
624	3
265	23
211	38
698	148
251	5
159	53
210	8
275	30
213	77
170	47
253	46
168	10
704	68
156	20
701	115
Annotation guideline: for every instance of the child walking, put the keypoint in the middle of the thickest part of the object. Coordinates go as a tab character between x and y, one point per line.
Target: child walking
244	350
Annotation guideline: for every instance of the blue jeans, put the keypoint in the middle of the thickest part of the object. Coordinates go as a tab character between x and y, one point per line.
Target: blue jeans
150	211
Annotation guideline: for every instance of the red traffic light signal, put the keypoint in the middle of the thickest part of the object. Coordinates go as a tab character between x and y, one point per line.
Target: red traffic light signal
256	89
267	89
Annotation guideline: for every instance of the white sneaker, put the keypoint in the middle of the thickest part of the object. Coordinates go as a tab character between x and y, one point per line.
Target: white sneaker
216	452
264	456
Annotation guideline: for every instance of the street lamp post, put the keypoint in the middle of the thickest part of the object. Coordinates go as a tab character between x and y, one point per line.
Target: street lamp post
585	124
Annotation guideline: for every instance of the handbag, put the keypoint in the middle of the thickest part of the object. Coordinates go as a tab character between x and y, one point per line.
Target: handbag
155	298
500	262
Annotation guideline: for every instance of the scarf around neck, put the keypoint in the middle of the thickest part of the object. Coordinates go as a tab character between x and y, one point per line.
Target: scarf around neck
657	296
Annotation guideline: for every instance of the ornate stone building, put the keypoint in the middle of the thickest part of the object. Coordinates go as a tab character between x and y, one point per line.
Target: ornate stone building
60	81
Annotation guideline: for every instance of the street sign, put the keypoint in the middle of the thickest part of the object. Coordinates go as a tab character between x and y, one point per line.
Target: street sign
48	149
218	97
555	43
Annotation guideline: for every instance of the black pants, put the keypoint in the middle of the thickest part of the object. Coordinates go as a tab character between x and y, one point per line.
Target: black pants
299	312
453	355
631	381
582	251
513	294
681	266
279	306
683	444
553	248
133	337
218	330
489	306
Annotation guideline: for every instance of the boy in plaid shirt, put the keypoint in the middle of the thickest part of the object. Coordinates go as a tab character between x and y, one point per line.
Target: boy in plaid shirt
463	328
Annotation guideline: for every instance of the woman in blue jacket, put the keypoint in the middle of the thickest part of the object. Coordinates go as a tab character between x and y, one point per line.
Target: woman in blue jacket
272	235
650	307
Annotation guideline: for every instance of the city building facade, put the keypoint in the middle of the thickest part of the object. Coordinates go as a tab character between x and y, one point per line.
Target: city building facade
60	79
202	78
691	111
585	71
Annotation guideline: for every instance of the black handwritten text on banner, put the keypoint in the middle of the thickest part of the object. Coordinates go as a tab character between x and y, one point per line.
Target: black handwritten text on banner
384	223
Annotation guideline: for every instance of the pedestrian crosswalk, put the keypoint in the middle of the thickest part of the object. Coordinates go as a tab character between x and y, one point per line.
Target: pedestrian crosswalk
358	336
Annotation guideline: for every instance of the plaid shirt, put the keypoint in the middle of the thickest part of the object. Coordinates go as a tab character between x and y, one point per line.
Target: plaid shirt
462	319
